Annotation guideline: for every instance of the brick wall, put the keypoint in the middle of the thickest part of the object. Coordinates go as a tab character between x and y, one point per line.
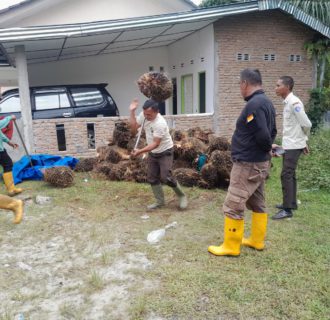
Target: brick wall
45	137
270	32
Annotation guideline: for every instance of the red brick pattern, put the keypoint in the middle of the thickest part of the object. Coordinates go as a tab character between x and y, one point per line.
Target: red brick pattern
269	32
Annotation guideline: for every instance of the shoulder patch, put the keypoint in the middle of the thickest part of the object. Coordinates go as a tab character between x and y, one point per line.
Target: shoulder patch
297	108
249	118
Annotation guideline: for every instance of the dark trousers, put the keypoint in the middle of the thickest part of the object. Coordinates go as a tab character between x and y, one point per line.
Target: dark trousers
5	161
288	178
160	168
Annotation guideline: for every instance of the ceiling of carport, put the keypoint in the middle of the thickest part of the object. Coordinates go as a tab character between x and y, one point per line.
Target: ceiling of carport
69	47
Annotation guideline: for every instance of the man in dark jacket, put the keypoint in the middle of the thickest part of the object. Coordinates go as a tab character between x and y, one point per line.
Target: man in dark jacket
251	152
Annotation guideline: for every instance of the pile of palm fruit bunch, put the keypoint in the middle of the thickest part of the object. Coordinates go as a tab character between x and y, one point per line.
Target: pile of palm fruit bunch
189	147
113	161
61	176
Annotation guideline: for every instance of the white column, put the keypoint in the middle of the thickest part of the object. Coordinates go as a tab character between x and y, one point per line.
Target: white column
24	94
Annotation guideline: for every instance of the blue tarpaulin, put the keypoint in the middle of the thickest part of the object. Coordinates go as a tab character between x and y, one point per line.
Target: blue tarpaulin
22	170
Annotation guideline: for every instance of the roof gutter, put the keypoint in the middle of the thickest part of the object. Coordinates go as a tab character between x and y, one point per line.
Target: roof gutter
60	31
43	32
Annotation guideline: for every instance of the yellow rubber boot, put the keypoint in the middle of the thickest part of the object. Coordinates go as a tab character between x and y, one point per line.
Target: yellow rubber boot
14	205
9	183
258	231
233	234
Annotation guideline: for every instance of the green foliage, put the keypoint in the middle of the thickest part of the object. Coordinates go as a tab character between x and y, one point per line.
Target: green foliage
314	169
319	9
318	104
211	3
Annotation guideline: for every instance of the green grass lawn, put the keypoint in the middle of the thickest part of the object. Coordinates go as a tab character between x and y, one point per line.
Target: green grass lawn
99	225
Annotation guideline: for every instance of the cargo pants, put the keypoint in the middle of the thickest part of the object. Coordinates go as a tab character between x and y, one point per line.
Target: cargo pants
246	189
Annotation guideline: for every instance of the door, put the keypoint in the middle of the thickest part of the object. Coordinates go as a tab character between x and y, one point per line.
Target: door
187	94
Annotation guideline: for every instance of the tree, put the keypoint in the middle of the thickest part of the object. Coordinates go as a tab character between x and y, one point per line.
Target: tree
319	50
319	9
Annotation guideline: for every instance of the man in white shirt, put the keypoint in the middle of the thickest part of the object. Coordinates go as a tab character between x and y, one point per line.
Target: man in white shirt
296	127
160	149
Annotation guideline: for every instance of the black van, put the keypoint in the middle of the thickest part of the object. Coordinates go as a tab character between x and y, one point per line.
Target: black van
63	101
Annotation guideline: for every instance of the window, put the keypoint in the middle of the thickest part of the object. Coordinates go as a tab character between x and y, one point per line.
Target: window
60	133
86	96
202	92
269	57
295	57
174	98
51	100
11	104
90	135
243	57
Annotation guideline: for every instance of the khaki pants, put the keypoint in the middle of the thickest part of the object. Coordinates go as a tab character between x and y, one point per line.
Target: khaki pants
247	181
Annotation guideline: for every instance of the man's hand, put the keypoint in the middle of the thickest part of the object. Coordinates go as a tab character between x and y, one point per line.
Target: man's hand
13	117
134	104
135	153
13	145
306	150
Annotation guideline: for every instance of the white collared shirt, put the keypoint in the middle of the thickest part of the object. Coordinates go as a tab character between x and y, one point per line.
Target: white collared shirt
157	128
296	125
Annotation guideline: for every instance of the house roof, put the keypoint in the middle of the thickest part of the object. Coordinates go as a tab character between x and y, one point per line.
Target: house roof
59	42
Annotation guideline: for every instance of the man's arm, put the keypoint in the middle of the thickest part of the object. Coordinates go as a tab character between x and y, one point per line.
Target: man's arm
258	125
301	116
132	117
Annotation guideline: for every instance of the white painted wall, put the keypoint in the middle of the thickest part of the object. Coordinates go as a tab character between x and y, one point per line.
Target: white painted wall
194	47
50	12
119	70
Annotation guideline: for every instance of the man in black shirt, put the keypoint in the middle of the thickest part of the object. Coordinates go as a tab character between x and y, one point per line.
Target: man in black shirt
251	152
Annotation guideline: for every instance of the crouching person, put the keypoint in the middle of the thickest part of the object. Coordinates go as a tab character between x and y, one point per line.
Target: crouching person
250	150
16	206
160	149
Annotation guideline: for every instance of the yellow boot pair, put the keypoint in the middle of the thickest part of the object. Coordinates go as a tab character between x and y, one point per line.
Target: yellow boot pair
233	236
9	183
258	231
14	205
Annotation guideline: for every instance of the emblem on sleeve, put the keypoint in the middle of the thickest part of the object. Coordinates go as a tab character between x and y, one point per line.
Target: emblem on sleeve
297	109
249	118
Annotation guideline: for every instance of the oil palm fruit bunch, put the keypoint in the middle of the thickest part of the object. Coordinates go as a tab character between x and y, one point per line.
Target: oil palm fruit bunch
155	85
59	176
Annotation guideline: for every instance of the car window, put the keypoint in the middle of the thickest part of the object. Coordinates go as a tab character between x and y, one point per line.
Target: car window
86	96
11	104
51	100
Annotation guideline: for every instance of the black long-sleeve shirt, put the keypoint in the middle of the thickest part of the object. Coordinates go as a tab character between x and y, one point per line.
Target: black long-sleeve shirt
255	130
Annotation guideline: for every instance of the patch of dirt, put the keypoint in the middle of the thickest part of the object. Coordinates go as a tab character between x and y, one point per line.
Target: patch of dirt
50	270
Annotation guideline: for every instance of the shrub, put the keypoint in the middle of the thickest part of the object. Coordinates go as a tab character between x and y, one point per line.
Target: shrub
318	104
314	169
